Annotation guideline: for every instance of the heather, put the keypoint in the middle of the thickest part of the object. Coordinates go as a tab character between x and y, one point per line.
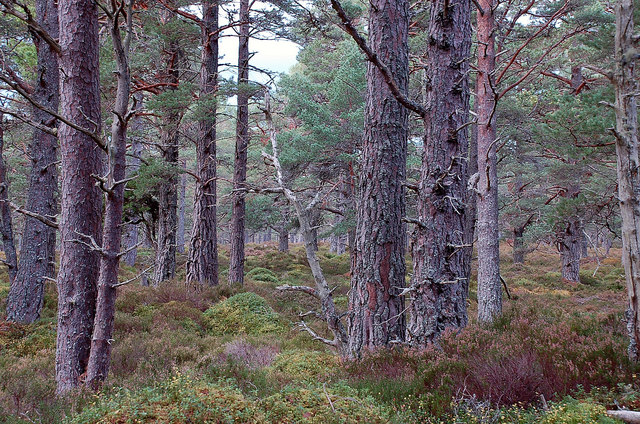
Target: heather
557	355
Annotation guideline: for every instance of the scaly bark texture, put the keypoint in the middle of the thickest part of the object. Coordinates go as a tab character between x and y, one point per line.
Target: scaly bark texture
6	227
182	192
376	317
236	255
628	163
440	279
37	252
202	266
100	357
81	199
165	261
489	284
570	248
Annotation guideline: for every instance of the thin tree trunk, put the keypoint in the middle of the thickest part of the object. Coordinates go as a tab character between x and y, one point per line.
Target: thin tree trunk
131	232
202	266
489	284
440	279
182	191
6	228
322	291
236	256
37	251
519	250
378	275
81	199
100	357
283	239
628	163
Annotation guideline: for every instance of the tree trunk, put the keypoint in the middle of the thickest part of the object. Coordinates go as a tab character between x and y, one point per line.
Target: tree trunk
440	279
37	251
6	228
202	266
100	357
628	163
489	284
570	247
131	232
378	274
81	199
182	191
165	262
283	239
236	256
519	250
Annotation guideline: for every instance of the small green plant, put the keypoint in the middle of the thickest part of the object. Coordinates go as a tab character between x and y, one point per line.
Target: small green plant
305	364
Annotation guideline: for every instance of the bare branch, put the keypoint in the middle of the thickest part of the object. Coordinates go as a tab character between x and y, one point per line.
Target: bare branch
304	289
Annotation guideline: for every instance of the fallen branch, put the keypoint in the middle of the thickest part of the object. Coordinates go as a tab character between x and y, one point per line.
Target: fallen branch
630	417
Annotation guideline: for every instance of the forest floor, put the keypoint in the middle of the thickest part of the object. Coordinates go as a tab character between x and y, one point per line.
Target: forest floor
558	355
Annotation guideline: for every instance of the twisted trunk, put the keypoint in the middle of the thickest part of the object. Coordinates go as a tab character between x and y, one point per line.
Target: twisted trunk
440	279
100	357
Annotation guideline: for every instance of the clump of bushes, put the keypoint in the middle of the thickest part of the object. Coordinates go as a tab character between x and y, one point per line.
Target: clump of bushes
244	313
338	404
183	399
263	274
571	411
305	364
177	400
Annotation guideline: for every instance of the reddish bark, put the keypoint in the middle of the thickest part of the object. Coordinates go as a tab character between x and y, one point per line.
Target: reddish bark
81	199
376	317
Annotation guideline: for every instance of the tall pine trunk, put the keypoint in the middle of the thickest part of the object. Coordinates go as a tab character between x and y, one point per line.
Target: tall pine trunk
628	163
37	252
489	285
100	357
165	261
440	279
202	266
378	272
236	258
81	199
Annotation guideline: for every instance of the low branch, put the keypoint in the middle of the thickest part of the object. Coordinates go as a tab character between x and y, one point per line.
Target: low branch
630	417
41	218
373	58
304	289
303	325
131	280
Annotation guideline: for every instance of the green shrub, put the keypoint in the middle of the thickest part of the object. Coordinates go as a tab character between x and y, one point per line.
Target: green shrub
305	364
244	313
263	274
322	405
178	400
571	411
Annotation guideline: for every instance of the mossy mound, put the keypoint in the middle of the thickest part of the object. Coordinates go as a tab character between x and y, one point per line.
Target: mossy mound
263	274
244	313
305	364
